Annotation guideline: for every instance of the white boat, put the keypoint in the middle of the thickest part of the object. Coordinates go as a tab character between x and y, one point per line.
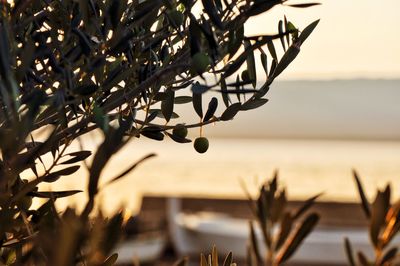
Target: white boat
195	233
145	248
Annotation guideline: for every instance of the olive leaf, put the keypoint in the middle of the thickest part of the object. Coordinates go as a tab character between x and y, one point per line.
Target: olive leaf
198	88
130	168
306	32
349	252
306	205
251	65
389	256
153	132
197	104
302	232
280	30
286	59
77	157
53	194
364	202
225	95
379	210
253	104
235	40
54	176
264	61
212	107
230	112
182	99
272	51
167	105
304	5
287	29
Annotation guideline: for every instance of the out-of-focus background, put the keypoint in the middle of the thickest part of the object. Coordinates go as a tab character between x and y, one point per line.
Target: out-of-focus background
335	108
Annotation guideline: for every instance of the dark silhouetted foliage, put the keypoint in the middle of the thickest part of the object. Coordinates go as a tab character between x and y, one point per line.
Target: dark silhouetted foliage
70	67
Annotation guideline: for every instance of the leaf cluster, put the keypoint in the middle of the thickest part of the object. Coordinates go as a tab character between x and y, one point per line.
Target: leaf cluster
384	224
213	260
282	230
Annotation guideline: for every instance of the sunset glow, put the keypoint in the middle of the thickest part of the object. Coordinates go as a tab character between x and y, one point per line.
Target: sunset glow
355	39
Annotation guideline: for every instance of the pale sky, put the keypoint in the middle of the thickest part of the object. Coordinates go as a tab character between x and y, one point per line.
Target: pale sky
355	38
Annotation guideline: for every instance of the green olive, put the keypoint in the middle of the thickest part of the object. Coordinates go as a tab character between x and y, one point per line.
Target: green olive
180	131
201	144
176	18
245	75
200	62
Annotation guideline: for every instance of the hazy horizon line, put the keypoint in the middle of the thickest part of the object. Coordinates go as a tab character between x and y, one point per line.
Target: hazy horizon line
330	79
305	138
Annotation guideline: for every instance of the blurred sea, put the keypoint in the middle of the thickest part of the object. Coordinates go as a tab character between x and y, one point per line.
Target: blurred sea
313	132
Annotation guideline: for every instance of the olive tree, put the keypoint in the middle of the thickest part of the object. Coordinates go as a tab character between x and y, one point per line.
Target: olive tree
71	67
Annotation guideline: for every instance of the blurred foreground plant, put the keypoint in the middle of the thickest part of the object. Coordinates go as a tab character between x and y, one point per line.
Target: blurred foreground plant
210	260
213	260
282	231
71	67
384	224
